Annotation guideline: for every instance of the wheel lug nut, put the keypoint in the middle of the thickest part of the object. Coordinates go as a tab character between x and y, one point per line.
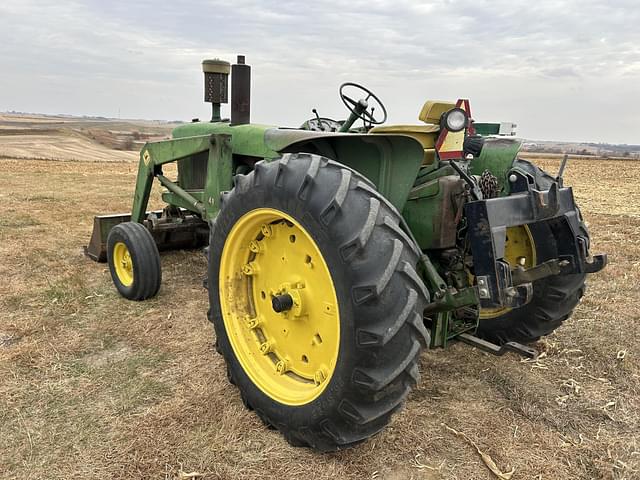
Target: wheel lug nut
266	230
282	367
266	347
319	377
250	268
252	323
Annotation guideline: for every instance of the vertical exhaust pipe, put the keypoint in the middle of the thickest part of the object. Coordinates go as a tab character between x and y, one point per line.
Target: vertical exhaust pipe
240	92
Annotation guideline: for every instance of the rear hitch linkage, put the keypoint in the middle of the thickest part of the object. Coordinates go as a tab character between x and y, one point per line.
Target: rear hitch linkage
488	221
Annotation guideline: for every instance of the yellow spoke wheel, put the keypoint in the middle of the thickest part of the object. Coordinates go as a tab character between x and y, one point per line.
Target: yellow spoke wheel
123	264
279	306
134	261
519	250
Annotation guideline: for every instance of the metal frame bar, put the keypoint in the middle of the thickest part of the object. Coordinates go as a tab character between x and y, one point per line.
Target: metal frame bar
219	174
488	221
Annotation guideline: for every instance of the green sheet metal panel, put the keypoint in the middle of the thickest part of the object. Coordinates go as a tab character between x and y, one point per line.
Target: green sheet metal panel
245	139
497	156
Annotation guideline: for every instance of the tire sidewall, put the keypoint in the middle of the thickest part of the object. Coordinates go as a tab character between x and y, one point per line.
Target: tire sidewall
117	236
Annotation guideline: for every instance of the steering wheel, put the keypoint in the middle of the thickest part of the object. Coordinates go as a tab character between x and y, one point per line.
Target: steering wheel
356	106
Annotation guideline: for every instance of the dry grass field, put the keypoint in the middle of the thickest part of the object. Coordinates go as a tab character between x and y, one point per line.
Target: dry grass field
93	386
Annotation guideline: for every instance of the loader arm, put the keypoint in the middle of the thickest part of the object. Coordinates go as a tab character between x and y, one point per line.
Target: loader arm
182	224
153	155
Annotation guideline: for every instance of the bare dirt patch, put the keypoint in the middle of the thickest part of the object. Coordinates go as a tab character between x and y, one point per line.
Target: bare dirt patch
107	355
99	387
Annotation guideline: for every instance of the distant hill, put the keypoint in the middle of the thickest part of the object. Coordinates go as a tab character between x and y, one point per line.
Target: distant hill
603	150
68	137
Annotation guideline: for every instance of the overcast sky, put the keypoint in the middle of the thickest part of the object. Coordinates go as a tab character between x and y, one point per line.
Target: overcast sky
562	70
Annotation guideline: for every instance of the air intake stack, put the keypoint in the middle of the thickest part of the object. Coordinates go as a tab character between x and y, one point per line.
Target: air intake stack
216	85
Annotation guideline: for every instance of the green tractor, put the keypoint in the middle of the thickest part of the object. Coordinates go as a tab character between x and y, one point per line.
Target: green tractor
337	251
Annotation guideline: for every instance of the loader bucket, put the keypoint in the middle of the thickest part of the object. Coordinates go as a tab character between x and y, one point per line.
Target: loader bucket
188	231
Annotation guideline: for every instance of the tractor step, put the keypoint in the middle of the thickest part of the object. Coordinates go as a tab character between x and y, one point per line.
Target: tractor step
185	231
498	350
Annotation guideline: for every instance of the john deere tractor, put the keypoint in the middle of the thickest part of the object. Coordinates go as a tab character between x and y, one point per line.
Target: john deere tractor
339	250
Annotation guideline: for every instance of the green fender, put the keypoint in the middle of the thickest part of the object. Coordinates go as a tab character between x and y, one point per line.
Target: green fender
391	162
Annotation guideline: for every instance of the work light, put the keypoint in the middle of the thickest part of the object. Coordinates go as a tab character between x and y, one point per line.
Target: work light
455	120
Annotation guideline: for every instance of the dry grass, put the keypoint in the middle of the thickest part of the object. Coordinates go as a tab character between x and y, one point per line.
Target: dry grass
94	386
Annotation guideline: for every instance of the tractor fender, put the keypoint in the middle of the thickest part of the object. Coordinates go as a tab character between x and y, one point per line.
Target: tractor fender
391	162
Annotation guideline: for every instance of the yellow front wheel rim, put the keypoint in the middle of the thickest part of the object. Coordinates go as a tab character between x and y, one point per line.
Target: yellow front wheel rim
519	250
289	355
123	264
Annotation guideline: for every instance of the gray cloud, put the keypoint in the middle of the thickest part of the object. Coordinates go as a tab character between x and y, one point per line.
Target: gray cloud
560	69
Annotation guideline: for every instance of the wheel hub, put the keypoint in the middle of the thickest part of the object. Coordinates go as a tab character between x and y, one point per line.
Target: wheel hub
123	264
281	303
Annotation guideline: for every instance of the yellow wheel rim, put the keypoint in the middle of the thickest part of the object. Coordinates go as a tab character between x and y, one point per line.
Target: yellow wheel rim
290	355
519	250
123	264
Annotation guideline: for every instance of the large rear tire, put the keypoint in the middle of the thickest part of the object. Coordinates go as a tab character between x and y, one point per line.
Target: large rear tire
554	297
315	300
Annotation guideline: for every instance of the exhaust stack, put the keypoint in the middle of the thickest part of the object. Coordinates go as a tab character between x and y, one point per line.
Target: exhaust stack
240	92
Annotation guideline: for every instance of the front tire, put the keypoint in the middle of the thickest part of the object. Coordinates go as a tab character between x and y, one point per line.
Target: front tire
311	229
134	261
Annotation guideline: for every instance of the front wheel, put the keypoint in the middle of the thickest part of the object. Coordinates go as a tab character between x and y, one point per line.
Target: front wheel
134	261
315	300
